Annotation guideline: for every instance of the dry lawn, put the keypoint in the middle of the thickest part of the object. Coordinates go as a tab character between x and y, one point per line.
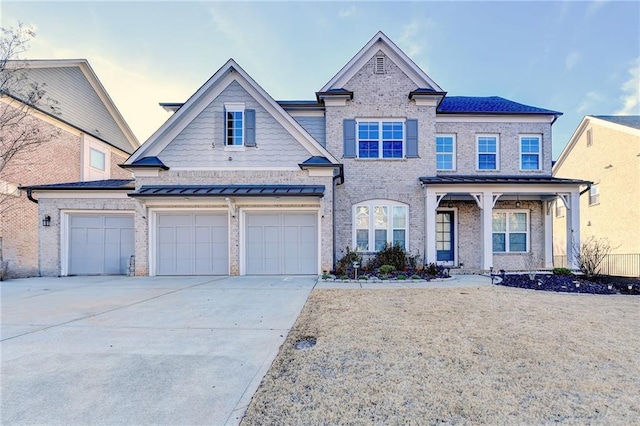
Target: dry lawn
491	355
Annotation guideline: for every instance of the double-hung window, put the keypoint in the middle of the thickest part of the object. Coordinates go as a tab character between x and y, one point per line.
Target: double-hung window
487	149
510	231
445	152
378	223
234	124
530	149
380	139
594	195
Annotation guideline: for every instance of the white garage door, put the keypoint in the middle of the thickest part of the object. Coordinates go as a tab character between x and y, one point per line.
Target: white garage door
192	244
100	244
281	243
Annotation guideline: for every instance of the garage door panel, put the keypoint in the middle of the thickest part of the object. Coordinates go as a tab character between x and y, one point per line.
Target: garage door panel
281	243
100	244
192	244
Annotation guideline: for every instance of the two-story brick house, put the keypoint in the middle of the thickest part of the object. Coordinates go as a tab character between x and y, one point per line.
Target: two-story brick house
238	183
83	138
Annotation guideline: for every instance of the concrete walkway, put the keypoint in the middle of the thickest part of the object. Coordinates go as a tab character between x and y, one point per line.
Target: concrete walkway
453	282
160	350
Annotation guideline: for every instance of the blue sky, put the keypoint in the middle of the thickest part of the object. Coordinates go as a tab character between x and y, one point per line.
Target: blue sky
575	57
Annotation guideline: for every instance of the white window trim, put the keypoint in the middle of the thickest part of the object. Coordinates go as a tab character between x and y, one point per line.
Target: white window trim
380	140
506	232
488	135
89	172
539	153
234	107
384	203
454	153
104	159
591	194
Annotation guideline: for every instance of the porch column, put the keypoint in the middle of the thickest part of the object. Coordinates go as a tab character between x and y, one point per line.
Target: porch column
573	230
548	234
487	230
431	204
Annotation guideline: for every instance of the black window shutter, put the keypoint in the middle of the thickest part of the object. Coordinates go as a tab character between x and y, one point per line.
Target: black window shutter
349	133
250	127
412	138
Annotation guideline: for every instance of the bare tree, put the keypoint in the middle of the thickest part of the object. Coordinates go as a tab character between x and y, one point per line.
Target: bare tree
591	253
20	132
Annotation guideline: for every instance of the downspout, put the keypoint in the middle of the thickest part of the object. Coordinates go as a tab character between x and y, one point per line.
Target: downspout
340	176
30	195
587	189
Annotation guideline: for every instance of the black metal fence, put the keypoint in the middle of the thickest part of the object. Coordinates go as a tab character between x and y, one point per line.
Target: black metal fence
622	265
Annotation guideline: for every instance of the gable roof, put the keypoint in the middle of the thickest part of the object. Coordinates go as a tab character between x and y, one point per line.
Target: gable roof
381	42
487	105
81	100
624	120
188	111
623	123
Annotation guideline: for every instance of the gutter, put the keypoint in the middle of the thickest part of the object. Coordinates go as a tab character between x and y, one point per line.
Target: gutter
30	195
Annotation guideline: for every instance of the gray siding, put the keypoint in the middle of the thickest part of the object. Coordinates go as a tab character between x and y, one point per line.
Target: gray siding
201	143
315	126
79	104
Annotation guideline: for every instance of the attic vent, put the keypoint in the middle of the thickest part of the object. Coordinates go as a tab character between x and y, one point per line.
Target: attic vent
379	67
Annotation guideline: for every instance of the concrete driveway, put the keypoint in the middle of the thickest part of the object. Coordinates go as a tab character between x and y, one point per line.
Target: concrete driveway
161	350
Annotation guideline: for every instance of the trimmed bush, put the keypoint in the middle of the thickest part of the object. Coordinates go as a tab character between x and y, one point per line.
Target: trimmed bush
562	271
387	269
402	277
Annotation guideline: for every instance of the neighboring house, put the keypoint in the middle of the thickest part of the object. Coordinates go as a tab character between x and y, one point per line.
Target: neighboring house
238	183
87	139
605	150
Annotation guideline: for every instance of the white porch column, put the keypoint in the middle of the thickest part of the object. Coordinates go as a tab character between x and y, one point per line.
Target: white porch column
431	204
487	230
573	229
548	234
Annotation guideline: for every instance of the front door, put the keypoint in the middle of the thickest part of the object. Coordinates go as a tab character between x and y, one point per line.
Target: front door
444	237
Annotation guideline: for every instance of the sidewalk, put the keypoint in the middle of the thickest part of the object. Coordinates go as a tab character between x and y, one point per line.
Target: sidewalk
453	282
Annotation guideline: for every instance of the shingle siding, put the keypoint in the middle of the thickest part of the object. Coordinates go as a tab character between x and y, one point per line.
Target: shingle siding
201	143
315	126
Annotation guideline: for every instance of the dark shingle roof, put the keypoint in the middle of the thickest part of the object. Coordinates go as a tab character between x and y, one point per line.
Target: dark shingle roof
229	190
487	105
88	185
625	120
462	179
148	162
317	160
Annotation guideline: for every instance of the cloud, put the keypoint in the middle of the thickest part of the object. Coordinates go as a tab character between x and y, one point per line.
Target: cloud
631	91
593	7
590	101
407	40
345	12
571	60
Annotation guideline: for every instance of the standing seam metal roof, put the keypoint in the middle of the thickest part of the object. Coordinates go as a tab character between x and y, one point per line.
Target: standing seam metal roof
230	190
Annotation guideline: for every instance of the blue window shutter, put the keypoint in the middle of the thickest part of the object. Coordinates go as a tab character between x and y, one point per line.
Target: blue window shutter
412	138
250	127
224	126
349	133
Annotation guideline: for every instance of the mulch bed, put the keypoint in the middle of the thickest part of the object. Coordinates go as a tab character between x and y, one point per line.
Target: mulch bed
574	284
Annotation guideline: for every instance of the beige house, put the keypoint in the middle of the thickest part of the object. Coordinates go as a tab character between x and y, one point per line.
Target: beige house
236	182
605	150
86	140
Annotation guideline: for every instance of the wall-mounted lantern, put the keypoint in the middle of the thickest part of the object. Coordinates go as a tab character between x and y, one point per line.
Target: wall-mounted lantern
46	221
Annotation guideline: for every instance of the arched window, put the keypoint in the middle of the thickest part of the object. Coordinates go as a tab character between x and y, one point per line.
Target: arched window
380	222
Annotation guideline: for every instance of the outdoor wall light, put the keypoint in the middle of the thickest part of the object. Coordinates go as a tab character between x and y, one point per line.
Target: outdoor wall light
46	221
518	203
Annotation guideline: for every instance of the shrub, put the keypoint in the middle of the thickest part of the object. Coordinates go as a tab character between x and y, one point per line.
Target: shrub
344	277
392	255
432	269
386	269
562	271
415	277
363	277
346	262
401	277
326	276
591	253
